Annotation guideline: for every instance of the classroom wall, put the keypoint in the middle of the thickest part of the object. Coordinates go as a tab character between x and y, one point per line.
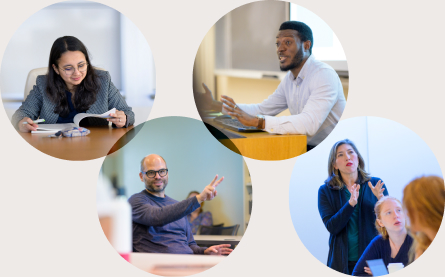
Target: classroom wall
113	41
245	37
390	150
95	25
193	158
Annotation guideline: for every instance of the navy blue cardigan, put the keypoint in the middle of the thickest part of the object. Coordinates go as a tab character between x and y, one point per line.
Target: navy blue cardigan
379	248
335	212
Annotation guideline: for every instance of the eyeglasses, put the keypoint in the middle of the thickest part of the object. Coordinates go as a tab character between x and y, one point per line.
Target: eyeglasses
70	69
152	173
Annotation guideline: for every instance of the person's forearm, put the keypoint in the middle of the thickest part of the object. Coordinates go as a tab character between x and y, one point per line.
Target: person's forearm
197	249
150	215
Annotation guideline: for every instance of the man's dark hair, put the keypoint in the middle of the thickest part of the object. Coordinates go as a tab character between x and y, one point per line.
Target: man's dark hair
304	31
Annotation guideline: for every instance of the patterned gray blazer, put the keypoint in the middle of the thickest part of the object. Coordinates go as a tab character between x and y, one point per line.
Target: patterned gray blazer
38	104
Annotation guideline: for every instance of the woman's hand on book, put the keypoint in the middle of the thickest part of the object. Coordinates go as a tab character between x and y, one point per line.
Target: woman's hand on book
119	119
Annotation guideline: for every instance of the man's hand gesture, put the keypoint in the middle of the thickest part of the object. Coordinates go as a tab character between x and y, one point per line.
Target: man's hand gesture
222	249
209	191
231	108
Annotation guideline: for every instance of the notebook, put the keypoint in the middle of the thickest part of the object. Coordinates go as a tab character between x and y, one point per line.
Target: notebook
54	128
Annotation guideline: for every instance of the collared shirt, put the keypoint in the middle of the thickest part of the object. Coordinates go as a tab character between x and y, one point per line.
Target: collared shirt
315	100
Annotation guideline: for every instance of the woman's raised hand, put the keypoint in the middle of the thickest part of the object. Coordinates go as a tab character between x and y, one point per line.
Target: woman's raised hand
378	189
354	190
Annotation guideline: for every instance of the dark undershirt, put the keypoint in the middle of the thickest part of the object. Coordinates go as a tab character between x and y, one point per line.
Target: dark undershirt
70	117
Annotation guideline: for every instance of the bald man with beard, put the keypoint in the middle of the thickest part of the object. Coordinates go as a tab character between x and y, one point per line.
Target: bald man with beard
160	224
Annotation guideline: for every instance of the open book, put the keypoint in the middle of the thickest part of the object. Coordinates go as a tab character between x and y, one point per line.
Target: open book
54	128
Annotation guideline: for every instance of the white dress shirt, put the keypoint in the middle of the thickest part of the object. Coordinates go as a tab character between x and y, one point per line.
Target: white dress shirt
315	100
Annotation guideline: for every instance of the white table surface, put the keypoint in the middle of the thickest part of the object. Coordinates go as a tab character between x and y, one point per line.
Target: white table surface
217	239
147	261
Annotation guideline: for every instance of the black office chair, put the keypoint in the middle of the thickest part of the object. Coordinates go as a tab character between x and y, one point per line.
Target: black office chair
222	231
207	230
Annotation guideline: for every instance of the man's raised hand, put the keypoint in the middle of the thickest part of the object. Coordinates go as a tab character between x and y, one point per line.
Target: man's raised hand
209	191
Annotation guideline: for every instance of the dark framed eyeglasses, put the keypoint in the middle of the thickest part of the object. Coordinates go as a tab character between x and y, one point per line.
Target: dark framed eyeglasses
151	173
70	69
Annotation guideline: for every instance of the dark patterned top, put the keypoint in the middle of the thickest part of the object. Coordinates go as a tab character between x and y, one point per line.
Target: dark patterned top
38	104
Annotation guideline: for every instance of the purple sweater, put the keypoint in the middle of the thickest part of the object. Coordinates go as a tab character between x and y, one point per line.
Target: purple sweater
160	224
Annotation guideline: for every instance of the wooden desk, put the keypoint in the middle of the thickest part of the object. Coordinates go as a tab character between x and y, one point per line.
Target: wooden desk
97	144
262	145
213	240
174	264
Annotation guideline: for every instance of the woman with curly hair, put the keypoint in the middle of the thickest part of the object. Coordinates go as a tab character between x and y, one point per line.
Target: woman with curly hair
424	201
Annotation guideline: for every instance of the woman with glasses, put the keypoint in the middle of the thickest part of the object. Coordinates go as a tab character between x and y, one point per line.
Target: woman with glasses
346	205
71	86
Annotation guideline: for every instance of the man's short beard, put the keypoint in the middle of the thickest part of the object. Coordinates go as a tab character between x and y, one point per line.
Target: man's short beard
296	62
153	189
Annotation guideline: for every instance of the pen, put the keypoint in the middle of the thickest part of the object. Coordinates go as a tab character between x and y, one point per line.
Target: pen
35	121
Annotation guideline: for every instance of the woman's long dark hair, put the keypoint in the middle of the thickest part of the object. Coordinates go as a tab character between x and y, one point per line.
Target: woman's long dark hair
86	91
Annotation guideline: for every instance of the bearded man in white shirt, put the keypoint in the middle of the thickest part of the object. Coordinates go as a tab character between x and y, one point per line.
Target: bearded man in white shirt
311	90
